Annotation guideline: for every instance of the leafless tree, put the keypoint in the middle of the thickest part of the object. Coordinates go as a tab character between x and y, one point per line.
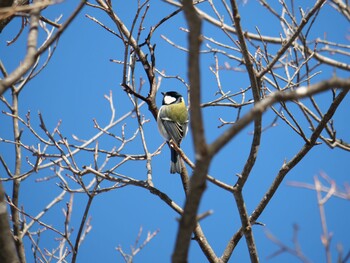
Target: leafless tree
282	78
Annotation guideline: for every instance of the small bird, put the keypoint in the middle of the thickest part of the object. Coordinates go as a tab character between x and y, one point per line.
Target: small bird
172	122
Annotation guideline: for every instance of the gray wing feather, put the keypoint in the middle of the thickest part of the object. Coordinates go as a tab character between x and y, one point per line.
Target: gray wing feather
175	130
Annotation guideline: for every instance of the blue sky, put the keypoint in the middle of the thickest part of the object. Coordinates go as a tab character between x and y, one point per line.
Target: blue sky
72	88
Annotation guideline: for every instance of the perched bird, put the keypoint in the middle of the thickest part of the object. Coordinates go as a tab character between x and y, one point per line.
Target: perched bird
172	122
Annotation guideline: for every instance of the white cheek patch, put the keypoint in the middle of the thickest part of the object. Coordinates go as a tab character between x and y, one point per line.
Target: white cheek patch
169	99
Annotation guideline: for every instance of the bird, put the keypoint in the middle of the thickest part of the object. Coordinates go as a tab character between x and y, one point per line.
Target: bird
172	120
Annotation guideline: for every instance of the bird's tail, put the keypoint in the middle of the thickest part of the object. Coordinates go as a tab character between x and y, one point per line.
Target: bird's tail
175	163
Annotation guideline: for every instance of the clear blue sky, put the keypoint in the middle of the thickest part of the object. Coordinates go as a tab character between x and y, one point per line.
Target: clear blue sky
72	88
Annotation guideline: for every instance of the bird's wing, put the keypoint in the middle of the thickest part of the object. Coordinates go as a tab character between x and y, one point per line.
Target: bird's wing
174	129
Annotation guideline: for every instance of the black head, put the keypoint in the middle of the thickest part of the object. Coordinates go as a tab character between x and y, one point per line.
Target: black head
171	97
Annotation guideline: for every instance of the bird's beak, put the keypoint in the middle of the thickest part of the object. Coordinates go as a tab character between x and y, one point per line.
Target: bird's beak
163	93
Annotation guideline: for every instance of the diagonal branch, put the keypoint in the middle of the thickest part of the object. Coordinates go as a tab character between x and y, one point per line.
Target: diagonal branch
30	57
290	41
32	52
287	167
278	96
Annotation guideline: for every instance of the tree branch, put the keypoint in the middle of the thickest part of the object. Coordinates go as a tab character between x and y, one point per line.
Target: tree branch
8	253
32	52
287	167
256	87
30	57
278	96
198	179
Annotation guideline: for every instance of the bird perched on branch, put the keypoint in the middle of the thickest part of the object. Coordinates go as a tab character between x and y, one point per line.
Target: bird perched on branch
172	122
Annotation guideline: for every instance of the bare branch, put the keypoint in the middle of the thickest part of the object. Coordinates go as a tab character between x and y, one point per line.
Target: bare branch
8	253
283	248
32	52
129	258
278	96
288	166
198	179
